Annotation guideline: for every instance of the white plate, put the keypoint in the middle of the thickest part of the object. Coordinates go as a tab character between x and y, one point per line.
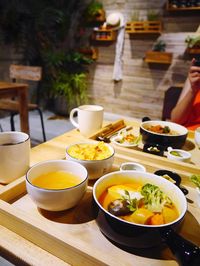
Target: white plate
116	139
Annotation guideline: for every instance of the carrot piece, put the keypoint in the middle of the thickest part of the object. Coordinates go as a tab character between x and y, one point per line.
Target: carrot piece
156	219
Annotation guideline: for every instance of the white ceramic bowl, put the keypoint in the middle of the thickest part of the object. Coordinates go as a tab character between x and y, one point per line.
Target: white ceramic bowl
132	166
95	168
182	156
56	199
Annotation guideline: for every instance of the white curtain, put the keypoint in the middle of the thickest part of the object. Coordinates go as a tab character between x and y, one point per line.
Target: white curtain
118	63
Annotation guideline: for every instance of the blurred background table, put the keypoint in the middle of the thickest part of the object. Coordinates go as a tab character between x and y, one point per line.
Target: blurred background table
10	90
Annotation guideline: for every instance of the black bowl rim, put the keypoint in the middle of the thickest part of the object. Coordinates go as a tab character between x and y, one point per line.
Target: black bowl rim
160	172
163	122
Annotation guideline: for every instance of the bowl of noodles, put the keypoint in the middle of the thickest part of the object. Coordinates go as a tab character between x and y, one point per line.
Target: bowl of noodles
166	134
97	157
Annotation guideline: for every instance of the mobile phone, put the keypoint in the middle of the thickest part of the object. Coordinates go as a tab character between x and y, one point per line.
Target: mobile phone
196	62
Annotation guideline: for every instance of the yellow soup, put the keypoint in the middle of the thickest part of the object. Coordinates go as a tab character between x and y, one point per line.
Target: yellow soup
56	180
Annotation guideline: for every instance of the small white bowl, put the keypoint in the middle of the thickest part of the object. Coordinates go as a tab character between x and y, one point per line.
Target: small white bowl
132	166
95	168
182	156
56	199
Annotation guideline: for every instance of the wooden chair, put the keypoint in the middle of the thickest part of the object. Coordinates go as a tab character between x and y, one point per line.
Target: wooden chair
170	100
23	73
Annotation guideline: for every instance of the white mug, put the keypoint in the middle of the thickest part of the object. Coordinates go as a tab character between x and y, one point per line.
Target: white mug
90	118
14	155
197	136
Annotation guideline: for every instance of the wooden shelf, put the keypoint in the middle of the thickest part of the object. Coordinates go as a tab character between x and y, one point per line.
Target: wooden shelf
144	27
104	35
194	50
192	8
90	52
158	57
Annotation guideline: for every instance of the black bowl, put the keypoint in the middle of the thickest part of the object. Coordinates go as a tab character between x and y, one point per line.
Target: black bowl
155	149
174	176
138	235
165	140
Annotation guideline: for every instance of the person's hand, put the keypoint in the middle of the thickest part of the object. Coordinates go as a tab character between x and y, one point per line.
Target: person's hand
194	77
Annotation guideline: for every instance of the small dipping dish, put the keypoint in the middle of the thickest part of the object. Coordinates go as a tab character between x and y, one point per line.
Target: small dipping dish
132	166
172	177
155	149
178	155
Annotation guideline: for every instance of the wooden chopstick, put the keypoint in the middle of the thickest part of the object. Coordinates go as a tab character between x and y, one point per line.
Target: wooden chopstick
115	126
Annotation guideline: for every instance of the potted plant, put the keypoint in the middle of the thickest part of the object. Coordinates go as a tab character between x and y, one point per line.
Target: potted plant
44	35
193	44
153	15
68	72
135	16
159	46
158	54
95	13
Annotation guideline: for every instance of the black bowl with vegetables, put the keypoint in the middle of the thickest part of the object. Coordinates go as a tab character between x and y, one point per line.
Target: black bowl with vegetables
163	133
141	210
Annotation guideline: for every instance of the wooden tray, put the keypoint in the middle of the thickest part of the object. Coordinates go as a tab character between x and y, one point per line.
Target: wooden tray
73	235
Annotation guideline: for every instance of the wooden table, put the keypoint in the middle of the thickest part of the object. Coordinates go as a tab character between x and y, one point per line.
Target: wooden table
23	231
9	90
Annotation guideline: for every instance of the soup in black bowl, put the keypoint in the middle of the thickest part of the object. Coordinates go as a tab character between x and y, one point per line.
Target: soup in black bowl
164	133
151	226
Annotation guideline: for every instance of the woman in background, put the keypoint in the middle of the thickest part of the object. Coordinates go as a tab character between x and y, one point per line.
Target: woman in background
187	110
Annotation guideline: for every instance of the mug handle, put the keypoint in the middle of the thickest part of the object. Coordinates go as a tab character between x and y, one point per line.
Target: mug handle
71	117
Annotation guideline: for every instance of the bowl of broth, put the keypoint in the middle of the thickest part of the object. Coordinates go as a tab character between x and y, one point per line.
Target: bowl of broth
140	210
56	185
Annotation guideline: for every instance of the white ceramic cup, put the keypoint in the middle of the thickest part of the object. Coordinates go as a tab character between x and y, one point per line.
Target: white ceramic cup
197	136
90	118
14	155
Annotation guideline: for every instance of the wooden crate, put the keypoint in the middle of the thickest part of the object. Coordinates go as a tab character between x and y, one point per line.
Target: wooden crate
144	27
104	35
73	235
158	57
194	50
